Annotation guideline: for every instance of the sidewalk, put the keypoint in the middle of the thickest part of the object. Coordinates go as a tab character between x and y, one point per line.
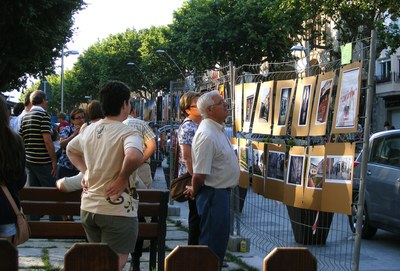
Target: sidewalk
44	254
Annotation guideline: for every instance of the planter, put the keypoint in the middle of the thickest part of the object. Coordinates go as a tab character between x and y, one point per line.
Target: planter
302	221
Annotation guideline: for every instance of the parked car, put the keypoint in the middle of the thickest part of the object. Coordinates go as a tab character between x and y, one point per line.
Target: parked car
382	185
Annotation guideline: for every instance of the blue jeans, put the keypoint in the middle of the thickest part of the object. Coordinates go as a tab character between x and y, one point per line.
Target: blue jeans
39	175
213	207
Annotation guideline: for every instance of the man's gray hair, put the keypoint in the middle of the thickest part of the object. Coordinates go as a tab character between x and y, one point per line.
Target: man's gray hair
206	101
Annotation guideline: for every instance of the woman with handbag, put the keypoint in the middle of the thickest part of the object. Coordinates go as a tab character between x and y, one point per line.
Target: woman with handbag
188	128
12	173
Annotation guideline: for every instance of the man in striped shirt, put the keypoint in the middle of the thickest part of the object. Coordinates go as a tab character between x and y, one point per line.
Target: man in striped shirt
41	163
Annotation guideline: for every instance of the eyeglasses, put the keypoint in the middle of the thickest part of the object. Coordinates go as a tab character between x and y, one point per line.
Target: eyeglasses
78	118
193	106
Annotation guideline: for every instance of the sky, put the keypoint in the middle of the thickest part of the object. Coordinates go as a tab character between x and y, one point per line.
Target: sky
104	17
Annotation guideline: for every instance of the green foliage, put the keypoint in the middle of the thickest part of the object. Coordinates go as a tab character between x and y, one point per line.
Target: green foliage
207	32
32	35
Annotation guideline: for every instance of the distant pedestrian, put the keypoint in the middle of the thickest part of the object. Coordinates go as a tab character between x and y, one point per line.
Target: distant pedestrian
215	172
62	122
17	110
12	172
108	152
28	105
387	126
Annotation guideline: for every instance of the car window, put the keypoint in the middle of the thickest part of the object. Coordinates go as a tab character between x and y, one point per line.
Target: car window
386	150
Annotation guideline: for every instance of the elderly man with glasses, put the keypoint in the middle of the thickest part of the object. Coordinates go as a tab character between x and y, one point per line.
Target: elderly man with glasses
215	172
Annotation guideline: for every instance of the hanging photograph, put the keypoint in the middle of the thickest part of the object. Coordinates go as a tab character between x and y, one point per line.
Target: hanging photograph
337	187
258	166
295	170
276	165
315	172
347	99
244	162
293	195
284	93
315	177
263	109
302	106
275	170
321	104
338	169
221	90
250	92
238	108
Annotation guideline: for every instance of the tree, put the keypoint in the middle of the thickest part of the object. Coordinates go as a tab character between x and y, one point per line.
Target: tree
209	32
32	35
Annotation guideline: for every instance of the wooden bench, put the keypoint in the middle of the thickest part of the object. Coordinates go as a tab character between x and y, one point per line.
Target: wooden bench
193	258
49	201
8	256
289	259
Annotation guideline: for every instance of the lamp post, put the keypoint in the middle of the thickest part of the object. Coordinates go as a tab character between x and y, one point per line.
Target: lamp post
64	53
143	74
307	52
165	52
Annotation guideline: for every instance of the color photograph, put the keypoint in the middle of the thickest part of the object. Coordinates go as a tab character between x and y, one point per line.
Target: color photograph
324	101
338	169
315	172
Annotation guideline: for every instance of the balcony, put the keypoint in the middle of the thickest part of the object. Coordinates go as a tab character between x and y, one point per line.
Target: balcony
383	78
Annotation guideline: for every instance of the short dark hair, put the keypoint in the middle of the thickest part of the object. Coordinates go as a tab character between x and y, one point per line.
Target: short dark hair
112	96
38	97
18	108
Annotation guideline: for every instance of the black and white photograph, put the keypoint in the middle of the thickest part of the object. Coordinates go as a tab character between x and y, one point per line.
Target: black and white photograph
305	103
338	169
284	106
276	165
258	162
295	170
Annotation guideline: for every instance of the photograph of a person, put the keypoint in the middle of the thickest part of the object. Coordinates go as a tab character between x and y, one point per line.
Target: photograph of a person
304	108
284	106
315	172
324	100
276	165
258	162
295	170
338	169
347	101
249	107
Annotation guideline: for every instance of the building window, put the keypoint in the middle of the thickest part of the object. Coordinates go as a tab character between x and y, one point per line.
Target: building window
385	71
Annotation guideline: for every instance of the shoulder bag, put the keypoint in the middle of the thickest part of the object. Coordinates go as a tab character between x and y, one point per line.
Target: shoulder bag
23	231
178	184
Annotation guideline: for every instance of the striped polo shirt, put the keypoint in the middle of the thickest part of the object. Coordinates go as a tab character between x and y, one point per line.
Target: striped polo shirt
34	124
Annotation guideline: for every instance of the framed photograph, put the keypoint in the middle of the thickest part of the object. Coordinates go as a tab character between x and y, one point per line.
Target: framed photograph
258	158
295	170
322	103
302	106
347	99
238	107
315	172
283	102
339	169
250	92
276	165
263	109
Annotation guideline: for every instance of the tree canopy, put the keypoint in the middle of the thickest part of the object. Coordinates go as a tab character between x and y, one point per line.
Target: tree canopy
32	36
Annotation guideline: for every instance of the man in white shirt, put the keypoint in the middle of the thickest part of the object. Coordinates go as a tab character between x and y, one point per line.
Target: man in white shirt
107	153
215	172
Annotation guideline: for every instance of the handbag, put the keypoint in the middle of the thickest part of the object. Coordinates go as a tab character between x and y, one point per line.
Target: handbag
23	230
178	186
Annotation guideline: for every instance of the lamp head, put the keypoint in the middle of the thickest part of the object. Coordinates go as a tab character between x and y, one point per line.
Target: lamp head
160	51
297	48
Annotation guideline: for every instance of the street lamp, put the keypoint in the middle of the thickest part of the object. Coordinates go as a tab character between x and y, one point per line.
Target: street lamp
307	52
141	71
165	52
64	53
